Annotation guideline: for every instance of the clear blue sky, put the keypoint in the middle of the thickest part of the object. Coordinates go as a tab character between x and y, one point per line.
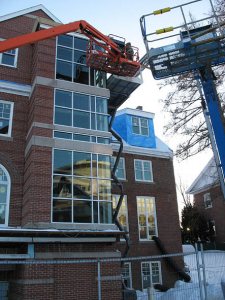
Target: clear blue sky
121	17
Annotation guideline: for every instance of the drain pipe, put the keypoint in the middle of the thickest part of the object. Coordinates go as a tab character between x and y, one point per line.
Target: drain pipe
119	184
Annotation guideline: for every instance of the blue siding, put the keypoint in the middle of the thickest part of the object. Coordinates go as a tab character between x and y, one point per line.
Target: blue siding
123	126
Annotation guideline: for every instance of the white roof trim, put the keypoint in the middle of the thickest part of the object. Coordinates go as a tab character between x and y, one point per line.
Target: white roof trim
27	11
135	112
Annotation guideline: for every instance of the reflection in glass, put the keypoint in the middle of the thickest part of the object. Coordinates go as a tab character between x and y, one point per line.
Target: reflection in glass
104	189
64	70
81	188
62	210
82	211
65	40
63	116
62	187
64	53
81	74
82	164
101	105
104	166
62	162
105	212
102	122
2	214
80	44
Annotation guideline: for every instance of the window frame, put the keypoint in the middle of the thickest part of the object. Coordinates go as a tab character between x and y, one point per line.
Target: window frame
92	179
151	276
207	202
142	170
7	197
122	161
148	237
9	134
15	57
129	275
92	110
139	126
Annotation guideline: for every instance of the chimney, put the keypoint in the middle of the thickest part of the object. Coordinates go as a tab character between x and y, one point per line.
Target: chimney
139	107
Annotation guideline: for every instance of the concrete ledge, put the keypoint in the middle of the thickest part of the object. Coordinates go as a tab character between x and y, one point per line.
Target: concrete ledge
62	255
34	281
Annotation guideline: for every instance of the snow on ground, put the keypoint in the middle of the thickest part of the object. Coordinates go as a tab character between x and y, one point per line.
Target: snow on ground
214	274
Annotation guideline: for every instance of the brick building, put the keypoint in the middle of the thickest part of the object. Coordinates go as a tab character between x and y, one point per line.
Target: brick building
56	190
209	199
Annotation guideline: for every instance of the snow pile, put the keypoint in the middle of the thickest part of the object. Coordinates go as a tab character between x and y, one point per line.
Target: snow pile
215	274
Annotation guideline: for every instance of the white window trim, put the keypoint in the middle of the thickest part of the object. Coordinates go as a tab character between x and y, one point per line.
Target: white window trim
8	196
155	216
15	61
11	118
160	272
206	200
124	168
139	126
142	169
130	273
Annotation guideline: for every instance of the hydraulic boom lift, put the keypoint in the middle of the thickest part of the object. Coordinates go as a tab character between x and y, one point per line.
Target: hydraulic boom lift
102	54
198	50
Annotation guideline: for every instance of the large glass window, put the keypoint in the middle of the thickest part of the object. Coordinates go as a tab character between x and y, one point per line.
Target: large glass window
9	58
140	126
151	273
71	62
120	171
6	113
143	170
123	212
5	186
80	110
81	187
146	217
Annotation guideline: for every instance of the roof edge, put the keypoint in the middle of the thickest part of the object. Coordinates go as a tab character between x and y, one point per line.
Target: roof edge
27	11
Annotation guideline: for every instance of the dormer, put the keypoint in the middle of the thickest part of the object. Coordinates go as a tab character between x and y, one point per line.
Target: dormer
135	127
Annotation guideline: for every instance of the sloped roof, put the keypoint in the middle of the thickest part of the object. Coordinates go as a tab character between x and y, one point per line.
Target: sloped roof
206	179
27	11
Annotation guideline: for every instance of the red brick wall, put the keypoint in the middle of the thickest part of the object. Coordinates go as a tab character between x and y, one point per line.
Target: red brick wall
163	189
216	212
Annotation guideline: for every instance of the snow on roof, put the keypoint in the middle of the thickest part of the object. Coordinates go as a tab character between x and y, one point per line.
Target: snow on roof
207	178
27	11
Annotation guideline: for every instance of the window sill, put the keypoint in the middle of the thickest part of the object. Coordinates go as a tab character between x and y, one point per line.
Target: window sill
6	138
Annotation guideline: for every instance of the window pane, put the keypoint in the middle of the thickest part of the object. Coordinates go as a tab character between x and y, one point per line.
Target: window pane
81	74
4	126
81	137
2	214
81	101
104	190
101	105
101	140
144	131
80	57
64	53
63	135
62	162
65	40
82	211
63	116
104	170
93	121
62	210
81	119
82	188
63	98
80	44
82	164
62	187
64	70
102	122
105	212
8	59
